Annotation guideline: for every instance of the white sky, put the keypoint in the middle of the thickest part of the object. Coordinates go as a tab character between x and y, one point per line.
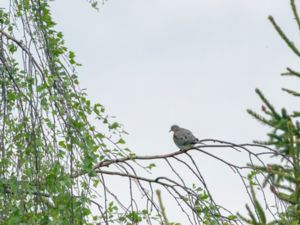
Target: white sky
194	63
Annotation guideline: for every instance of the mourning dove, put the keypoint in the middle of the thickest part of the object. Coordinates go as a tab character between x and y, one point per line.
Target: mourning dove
183	138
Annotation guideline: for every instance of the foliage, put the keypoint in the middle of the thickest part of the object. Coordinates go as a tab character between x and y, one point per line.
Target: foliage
284	177
45	136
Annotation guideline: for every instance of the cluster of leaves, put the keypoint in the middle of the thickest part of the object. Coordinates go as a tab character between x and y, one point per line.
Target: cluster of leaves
210	212
45	135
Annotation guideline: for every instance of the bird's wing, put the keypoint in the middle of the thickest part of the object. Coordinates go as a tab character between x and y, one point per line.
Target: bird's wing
189	135
184	137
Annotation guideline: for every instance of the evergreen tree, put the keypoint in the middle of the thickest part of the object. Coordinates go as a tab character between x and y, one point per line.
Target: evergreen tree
283	178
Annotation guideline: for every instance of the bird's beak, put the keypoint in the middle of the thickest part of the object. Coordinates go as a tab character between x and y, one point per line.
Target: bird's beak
170	130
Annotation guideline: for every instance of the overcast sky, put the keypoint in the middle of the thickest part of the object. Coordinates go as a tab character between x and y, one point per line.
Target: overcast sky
194	63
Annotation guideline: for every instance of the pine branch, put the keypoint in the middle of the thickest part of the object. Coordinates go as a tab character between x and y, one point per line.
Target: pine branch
290	44
260	212
294	9
291	73
268	104
291	92
259	118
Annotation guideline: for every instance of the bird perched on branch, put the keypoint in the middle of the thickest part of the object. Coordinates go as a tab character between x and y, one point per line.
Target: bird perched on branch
183	138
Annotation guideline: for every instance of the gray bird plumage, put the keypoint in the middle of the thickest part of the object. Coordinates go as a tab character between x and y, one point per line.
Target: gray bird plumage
183	138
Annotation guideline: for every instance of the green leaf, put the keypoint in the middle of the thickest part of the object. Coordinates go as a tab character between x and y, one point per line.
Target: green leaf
114	125
12	48
232	217
151	165
62	144
121	141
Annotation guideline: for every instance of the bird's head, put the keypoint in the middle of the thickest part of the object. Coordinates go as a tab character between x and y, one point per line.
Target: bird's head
174	128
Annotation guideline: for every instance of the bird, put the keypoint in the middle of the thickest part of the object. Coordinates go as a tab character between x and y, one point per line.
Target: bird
183	138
